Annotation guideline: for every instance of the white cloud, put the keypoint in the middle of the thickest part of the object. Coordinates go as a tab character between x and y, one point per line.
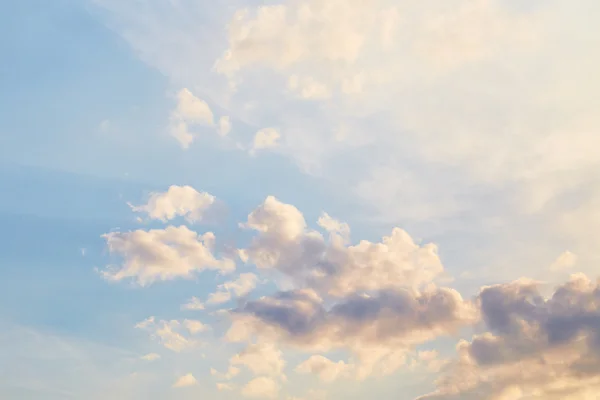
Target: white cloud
262	359
265	138
224	125
190	111
219	297
151	357
245	283
224	387
193	304
177	201
231	373
565	261
185	381
195	327
334	226
420	107
308	88
425	85
170	333
327	370
162	254
399	56
261	388
284	242
384	303
430	359
378	329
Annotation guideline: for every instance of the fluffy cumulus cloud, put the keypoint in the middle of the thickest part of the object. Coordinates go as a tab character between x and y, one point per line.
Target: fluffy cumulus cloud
536	347
378	302
378	328
177	201
162	254
284	242
377	299
185	381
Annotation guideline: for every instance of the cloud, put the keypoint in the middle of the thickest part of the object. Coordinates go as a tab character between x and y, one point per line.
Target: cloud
565	261
195	327
185	381
536	347
151	357
240	288
372	326
231	373
430	359
261	388
415	87
224	387
377	300
162	254
324	368
283	242
261	359
417	108
171	333
380	63
177	201
334	226
190	111
281	36
265	138
308	88
193	304
224	125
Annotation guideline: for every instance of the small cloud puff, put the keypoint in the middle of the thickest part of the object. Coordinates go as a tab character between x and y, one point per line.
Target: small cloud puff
266	138
177	201
565	261
150	357
185	381
190	110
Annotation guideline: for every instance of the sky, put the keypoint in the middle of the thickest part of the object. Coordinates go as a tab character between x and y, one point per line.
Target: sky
299	199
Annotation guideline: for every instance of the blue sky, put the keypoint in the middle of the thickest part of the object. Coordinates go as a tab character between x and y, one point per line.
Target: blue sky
392	188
